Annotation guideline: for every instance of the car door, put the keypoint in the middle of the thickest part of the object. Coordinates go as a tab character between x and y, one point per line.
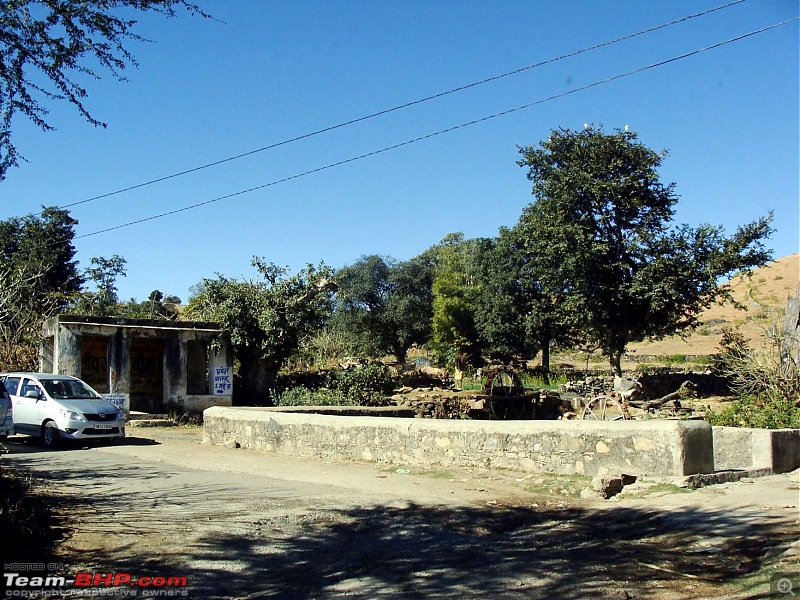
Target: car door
26	410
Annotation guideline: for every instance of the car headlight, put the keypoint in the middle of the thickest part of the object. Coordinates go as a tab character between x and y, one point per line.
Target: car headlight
71	415
120	415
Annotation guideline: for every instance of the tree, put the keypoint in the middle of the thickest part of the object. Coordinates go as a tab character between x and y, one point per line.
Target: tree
38	277
103	302
456	289
360	308
48	47
385	306
517	315
157	306
43	243
410	306
266	319
602	223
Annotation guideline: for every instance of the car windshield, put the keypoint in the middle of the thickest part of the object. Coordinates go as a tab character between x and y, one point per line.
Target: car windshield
68	389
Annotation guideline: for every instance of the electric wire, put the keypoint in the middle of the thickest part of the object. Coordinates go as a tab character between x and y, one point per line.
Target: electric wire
442	131
403	106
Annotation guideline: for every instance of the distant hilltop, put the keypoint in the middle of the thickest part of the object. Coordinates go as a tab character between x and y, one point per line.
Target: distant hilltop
763	294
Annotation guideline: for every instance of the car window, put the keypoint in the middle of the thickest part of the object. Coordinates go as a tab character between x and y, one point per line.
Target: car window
4	391
68	389
12	383
27	386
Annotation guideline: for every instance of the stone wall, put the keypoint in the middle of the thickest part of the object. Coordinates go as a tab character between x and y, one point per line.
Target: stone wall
744	448
658	449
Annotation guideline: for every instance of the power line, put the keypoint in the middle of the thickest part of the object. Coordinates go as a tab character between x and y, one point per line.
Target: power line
402	106
442	131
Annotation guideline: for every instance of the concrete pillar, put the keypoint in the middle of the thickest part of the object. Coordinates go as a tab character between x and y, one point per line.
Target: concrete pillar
119	363
175	366
67	355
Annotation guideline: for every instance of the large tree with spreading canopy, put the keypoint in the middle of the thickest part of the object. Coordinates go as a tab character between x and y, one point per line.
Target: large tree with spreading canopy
602	223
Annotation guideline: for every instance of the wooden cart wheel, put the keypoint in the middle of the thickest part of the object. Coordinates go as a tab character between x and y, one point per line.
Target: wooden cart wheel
605	408
503	383
507	408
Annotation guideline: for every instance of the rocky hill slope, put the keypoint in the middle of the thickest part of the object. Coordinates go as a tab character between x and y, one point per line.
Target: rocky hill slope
764	294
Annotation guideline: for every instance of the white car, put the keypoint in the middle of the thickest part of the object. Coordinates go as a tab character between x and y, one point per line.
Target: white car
59	407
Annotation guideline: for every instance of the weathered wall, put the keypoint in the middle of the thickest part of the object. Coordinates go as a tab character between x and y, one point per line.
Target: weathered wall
660	449
196	403
745	448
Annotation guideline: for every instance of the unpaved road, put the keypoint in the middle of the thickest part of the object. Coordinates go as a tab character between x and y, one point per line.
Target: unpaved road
244	524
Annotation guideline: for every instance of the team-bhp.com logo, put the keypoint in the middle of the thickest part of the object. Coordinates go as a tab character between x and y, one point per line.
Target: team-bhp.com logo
24	584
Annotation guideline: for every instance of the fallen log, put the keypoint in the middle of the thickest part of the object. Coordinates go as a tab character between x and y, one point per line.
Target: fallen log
685	388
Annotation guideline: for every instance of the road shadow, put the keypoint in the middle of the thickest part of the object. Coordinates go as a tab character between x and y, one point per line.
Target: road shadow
28	444
235	537
487	552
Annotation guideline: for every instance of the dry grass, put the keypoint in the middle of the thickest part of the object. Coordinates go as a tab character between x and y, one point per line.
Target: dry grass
764	295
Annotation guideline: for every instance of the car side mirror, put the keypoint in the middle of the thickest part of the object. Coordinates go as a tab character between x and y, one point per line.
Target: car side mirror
32	394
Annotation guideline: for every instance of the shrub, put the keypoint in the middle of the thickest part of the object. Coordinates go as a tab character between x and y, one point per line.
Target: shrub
766	381
303	396
676	359
365	385
749	411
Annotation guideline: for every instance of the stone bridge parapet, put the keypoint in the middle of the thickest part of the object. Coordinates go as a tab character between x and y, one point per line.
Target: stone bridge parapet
660	449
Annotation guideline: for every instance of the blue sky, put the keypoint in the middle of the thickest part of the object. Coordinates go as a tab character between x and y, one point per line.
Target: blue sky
266	71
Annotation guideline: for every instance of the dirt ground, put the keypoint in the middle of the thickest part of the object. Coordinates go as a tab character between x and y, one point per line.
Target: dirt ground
244	524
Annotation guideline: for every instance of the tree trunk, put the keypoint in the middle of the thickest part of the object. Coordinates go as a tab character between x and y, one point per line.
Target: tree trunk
615	358
546	356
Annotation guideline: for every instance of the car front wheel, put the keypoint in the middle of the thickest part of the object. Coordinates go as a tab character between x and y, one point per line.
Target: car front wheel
50	434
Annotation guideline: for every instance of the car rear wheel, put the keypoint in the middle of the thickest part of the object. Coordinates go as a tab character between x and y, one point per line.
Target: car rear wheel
50	434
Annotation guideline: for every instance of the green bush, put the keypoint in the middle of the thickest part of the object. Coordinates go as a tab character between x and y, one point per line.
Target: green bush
303	396
675	359
749	411
537	380
365	385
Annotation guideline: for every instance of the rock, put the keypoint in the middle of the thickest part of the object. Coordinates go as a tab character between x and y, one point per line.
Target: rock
607	486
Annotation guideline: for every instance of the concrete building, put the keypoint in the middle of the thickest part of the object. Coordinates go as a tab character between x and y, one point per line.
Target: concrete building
142	364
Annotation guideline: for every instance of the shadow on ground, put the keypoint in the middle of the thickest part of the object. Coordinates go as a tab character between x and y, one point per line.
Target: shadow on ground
249	546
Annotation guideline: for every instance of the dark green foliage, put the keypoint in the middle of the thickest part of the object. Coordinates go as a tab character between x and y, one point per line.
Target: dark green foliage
38	277
42	244
765	412
383	306
304	396
517	314
365	385
602	226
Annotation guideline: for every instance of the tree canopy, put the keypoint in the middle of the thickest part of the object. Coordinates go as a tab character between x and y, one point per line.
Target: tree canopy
265	319
385	306
458	278
48	48
38	277
601	223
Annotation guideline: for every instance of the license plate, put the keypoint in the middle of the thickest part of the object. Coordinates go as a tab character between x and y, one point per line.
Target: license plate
102	426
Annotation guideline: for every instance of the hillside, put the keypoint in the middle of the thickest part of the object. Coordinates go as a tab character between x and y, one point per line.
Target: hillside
764	295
